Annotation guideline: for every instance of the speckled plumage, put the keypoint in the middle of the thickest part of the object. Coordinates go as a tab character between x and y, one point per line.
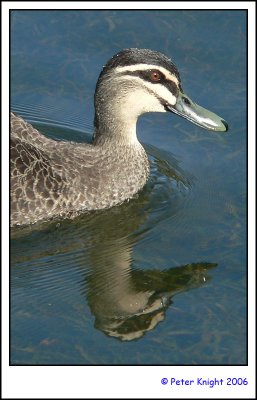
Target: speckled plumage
52	178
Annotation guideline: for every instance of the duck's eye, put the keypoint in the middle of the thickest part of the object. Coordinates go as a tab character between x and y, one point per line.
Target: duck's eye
155	76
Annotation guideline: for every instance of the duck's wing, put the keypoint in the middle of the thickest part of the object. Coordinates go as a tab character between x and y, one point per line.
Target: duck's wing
36	185
32	164
50	177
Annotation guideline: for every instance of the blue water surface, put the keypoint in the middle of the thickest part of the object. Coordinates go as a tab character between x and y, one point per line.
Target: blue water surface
160	279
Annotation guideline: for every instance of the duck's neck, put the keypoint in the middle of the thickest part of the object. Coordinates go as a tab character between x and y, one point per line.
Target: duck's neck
113	127
115	117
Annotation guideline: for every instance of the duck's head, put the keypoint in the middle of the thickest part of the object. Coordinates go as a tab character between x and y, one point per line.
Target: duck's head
136	81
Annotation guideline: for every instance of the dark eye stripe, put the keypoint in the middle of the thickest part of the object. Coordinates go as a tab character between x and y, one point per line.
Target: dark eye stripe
146	75
169	84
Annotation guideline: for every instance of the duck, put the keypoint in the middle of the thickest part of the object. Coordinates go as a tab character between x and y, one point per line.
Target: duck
61	179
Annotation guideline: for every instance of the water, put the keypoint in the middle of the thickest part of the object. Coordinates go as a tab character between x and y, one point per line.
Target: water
160	279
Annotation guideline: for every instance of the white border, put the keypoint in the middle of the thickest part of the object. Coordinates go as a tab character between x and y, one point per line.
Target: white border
136	5
135	381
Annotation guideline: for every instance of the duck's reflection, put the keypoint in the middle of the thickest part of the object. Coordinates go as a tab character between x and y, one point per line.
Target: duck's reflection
129	302
125	300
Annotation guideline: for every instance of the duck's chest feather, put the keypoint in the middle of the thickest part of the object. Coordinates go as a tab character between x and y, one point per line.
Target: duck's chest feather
104	175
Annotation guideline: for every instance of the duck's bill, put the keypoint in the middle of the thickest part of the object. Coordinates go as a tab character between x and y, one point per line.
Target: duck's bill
186	108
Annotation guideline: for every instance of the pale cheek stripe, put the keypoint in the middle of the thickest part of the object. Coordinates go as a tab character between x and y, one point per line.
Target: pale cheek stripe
159	90
145	67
